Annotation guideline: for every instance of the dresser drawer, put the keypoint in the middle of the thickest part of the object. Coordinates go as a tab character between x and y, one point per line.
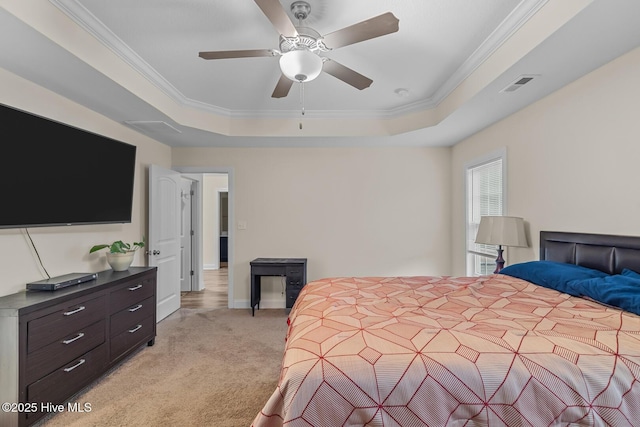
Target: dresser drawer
137	334
130	294
294	282
131	316
66	320
295	272
292	296
50	357
68	379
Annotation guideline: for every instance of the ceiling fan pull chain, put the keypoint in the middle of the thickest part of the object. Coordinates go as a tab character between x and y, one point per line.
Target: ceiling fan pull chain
301	101
302	96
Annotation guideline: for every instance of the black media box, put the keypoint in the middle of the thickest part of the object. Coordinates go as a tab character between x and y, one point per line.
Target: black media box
61	281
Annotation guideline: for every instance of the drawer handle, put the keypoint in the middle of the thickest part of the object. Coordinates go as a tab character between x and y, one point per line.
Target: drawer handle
71	368
135	329
135	288
77	337
69	313
136	308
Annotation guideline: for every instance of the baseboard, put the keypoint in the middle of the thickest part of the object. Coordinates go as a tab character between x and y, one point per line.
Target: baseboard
216	266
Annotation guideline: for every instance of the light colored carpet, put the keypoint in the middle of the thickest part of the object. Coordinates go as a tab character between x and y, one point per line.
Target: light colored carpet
207	368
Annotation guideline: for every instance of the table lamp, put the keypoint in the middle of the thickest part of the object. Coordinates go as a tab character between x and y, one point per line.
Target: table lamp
501	231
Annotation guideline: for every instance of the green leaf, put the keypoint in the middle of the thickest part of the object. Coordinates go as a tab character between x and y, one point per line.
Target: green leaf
119	247
97	248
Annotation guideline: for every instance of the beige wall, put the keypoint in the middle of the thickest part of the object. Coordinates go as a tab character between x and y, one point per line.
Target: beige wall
66	249
350	211
572	160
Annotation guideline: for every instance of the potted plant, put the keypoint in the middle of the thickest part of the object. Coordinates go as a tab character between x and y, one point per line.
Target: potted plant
120	255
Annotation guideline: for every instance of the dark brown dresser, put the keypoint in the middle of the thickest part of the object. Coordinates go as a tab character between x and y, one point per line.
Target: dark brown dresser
55	343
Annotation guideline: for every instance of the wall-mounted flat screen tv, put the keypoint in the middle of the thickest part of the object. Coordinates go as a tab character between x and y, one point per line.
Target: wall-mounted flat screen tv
52	174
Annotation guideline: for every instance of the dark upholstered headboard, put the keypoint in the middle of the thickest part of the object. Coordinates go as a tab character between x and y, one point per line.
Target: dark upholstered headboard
609	253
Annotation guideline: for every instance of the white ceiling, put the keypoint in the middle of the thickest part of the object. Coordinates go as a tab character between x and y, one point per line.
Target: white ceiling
138	62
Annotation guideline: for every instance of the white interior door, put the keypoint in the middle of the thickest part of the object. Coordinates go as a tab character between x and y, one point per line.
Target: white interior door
186	269
164	236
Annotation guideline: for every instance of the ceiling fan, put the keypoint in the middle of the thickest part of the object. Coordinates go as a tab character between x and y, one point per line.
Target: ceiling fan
300	47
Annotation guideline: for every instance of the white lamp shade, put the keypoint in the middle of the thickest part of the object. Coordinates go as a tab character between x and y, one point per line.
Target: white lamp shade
501	230
301	65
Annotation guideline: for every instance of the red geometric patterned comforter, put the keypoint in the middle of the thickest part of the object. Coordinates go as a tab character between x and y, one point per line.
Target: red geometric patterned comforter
454	351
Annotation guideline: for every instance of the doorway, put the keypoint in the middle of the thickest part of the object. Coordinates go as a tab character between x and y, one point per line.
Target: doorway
212	236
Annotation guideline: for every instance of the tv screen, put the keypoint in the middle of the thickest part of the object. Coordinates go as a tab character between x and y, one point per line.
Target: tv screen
54	174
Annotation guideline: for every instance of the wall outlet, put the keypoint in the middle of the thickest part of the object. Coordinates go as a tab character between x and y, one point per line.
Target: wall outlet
242	225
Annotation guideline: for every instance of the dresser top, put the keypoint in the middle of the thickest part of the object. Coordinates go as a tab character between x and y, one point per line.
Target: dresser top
29	300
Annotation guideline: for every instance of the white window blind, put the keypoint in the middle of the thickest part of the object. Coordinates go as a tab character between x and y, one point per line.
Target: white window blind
485	188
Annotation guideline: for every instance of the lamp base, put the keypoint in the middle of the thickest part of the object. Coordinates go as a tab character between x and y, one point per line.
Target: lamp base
499	261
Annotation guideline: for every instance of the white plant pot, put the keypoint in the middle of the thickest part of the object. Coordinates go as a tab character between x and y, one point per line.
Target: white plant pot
119	261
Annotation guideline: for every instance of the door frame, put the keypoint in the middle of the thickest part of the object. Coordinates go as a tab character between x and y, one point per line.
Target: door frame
190	277
199	263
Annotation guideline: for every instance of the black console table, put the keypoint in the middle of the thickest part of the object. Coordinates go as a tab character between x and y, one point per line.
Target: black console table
294	269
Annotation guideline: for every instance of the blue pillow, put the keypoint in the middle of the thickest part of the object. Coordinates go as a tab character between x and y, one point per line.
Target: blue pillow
551	274
630	273
617	290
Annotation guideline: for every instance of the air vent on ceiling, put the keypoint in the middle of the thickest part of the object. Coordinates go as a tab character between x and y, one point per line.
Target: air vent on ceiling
152	127
519	82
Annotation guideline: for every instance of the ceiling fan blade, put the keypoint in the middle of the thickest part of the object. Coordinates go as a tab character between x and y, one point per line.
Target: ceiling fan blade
224	54
282	87
346	74
371	28
278	17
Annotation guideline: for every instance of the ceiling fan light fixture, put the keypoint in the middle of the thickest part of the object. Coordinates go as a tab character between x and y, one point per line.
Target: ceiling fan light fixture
301	65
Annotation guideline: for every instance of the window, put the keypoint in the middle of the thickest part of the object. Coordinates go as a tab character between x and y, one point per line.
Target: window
485	196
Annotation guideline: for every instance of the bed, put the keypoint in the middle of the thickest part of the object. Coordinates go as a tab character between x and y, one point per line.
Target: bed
495	350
